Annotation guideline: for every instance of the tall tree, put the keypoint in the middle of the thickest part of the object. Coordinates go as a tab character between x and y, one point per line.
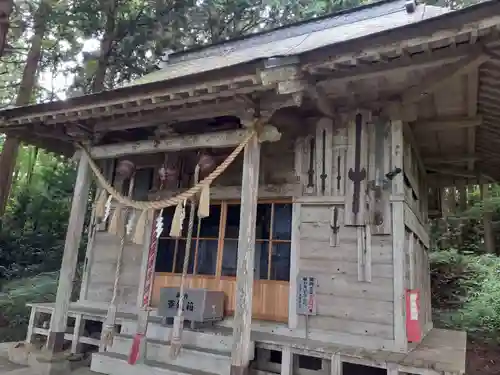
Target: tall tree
11	144
5	11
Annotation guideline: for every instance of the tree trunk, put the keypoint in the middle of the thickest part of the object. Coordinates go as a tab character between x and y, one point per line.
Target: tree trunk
11	145
106	46
489	236
5	11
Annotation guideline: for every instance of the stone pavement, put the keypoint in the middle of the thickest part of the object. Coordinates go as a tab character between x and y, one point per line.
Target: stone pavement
9	368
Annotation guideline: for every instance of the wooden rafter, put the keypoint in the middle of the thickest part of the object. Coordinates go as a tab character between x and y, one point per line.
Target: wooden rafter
450	159
401	65
447	124
443	75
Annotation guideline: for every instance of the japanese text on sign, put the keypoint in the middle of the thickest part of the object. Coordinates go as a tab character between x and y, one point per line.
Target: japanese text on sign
306	295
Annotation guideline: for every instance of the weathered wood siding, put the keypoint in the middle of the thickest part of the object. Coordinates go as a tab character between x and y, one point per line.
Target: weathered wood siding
345	304
354	266
276	171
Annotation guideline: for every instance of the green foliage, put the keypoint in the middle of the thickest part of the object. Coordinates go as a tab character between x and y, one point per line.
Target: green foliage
466	293
15	295
34	227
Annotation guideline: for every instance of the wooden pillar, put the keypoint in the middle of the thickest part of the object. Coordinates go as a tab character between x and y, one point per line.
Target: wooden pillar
55	340
489	237
286	361
246	254
398	238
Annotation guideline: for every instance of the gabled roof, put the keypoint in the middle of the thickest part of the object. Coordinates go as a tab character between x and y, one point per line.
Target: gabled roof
294	39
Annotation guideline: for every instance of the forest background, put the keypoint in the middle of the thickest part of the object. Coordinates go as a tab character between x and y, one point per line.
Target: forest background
61	48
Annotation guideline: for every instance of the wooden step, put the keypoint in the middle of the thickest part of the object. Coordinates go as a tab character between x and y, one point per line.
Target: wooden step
214	338
191	357
116	364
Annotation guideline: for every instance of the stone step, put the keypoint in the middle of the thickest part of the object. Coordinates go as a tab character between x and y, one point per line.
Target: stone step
116	364
192	357
218	339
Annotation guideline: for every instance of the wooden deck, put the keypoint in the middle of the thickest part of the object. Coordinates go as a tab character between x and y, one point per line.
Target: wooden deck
442	352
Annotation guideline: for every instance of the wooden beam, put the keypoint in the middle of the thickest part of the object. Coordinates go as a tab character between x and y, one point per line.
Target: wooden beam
55	340
450	159
460	173
222	139
443	75
319	96
446	124
401	65
168	116
242	323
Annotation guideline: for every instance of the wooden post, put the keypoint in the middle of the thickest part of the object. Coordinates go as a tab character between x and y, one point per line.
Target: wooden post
398	239
246	254
489	239
294	266
59	319
286	361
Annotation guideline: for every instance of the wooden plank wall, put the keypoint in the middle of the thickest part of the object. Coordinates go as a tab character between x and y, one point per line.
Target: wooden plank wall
103	266
276	169
346	304
417	277
354	264
417	270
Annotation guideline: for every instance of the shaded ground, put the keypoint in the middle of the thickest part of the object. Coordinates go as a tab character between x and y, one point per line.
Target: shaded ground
482	359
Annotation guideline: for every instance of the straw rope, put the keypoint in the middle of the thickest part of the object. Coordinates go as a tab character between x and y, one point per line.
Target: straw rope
174	201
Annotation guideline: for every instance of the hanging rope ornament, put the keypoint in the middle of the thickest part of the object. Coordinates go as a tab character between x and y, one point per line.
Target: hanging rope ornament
176	337
118	226
100	205
126	168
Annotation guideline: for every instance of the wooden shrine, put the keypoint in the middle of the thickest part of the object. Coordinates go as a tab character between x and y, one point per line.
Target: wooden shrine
317	233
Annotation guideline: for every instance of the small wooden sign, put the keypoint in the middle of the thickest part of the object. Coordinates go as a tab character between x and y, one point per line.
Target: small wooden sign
306	295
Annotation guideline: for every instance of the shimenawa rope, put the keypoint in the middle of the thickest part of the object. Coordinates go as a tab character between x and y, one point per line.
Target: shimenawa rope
164	203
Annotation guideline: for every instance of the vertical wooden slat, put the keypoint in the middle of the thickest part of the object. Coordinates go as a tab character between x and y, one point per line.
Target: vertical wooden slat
299	165
222	233
31	324
411	261
357	175
324	156
294	266
398	238
176	250
246	254
197	244
77	333
379	166
306	149
270	245
286	361
364	253
340	144
336	365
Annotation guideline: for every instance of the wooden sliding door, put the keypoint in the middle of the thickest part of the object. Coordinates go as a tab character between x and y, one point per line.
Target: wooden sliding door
213	257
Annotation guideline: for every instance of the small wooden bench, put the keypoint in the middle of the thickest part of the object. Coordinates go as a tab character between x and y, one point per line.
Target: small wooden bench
79	312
